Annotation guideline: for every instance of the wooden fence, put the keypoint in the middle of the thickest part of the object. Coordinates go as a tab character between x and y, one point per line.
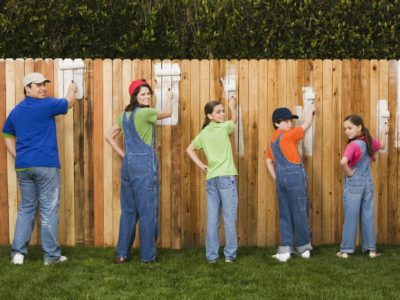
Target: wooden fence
89	212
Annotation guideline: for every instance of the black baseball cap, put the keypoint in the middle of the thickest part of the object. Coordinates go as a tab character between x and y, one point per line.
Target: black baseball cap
283	113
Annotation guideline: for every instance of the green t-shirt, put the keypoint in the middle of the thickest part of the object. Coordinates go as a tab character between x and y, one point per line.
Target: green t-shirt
144	120
214	140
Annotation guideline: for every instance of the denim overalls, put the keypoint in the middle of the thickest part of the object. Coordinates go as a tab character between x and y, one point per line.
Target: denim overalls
359	198
139	193
291	186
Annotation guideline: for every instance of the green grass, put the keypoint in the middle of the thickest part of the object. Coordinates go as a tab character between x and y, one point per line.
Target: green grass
184	274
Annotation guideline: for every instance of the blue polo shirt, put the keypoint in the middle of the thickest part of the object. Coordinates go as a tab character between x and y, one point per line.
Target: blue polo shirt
32	123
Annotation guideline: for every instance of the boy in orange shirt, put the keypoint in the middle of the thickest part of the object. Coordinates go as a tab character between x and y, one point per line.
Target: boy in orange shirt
285	165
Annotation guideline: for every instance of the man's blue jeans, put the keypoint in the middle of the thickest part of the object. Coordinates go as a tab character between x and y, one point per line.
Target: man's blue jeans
221	193
39	188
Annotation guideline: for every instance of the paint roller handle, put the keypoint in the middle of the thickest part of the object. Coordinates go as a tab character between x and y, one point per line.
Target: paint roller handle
384	129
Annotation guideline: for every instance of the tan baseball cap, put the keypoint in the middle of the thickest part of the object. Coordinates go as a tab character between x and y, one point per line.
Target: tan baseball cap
34	78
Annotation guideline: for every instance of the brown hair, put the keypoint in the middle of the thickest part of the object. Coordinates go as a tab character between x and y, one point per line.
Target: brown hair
357	120
208	109
133	102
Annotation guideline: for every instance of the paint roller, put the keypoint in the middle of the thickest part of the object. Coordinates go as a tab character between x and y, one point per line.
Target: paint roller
230	87
168	73
77	66
308	99
383	115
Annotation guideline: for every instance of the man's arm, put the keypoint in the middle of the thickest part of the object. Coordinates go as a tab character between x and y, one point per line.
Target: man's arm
71	94
10	145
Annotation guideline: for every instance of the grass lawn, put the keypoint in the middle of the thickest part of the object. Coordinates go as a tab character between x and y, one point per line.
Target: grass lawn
184	274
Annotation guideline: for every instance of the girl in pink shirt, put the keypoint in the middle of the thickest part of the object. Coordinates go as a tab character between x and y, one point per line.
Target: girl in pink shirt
358	186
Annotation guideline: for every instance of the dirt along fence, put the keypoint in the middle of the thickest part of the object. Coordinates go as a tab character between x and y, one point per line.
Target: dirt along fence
90	209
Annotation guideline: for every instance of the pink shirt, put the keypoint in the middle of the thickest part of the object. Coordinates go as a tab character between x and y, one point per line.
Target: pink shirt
354	153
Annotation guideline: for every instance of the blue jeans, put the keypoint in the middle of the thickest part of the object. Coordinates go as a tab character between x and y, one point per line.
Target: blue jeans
358	199
221	193
39	188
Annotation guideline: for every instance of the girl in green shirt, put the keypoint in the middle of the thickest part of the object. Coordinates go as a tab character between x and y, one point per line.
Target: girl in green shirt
221	175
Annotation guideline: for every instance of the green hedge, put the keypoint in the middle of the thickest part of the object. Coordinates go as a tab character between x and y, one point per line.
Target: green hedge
200	29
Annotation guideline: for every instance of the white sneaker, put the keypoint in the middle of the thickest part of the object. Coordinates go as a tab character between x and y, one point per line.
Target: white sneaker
306	254
59	260
282	257
18	259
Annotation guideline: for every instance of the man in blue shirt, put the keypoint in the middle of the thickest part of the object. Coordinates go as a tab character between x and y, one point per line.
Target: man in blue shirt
31	138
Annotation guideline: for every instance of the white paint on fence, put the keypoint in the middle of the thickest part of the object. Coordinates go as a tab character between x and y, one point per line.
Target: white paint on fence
239	132
167	76
73	70
308	99
230	90
383	118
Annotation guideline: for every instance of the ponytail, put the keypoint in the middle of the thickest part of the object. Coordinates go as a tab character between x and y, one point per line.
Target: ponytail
206	122
368	142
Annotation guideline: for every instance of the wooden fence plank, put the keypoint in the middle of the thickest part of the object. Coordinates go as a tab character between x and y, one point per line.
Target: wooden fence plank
4	212
98	157
392	172
271	199
383	159
59	93
117	108
243	148
196	115
11	175
166	145
374	97
69	186
337	132
79	163
184	123
204	98
317	154
252	146
88	122
107	154
307	81
327	149
263	120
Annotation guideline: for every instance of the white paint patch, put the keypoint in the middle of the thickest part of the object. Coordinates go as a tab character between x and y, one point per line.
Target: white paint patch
239	133
167	77
74	70
308	99
396	131
65	77
230	90
383	118
229	83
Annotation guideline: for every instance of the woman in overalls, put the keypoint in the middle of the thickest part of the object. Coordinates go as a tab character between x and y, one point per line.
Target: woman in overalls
139	174
359	187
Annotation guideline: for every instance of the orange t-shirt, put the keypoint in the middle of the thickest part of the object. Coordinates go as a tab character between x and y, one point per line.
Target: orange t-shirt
289	140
